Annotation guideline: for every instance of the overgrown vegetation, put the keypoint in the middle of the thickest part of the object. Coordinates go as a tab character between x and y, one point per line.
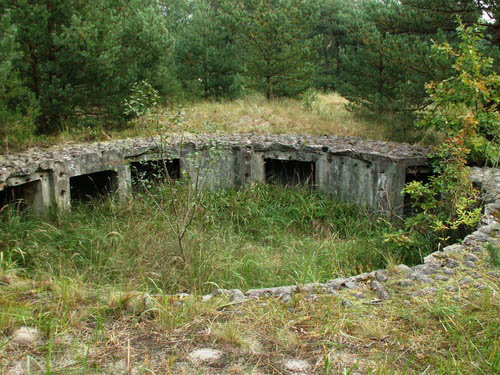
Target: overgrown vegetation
83	295
78	68
464	110
69	65
254	237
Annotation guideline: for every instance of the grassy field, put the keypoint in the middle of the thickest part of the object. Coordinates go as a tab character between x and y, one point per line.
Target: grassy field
96	283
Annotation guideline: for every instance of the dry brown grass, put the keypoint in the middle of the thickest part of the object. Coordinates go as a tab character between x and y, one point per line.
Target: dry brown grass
327	115
255	114
439	334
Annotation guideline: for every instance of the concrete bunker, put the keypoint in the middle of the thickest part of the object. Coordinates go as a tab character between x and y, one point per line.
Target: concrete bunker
154	171
366	172
85	187
290	172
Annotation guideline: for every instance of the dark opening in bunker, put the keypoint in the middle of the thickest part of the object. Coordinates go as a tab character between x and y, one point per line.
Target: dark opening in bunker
92	185
154	171
20	196
290	172
420	174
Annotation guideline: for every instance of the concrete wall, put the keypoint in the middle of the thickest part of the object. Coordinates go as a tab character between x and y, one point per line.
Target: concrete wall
368	173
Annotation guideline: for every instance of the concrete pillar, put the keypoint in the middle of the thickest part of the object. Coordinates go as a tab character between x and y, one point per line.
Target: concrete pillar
323	173
123	181
257	168
61	193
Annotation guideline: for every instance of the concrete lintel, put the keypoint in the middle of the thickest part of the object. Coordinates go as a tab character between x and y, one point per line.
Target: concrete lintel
167	154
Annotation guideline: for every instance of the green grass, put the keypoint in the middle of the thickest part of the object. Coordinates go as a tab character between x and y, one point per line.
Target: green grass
253	237
94	281
494	253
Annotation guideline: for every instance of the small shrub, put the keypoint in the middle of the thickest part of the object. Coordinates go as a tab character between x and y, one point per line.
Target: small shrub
309	97
466	104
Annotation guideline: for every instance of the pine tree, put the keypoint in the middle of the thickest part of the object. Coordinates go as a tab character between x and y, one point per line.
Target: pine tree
206	58
18	109
80	58
386	58
277	42
444	13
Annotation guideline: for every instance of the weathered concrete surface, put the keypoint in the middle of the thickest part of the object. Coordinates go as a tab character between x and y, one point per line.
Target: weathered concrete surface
371	173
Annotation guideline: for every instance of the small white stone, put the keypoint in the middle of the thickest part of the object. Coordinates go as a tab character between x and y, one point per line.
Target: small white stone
206	355
19	368
297	365
26	336
206	298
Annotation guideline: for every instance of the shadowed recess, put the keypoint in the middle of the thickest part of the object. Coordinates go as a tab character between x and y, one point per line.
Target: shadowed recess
20	195
92	185
290	172
154	171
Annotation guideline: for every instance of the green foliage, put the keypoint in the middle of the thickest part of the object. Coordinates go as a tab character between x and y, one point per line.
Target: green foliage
383	69
18	109
467	104
80	58
276	41
494	253
308	99
330	28
384	51
143	98
207	60
448	204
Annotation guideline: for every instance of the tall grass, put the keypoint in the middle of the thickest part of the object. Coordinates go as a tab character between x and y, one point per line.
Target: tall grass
253	237
83	267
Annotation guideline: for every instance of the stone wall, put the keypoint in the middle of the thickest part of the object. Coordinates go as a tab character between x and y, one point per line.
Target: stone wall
370	173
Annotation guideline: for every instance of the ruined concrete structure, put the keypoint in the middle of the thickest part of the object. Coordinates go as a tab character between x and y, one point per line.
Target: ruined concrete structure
370	173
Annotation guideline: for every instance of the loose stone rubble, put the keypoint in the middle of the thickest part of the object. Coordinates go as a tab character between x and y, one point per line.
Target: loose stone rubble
297	366
206	355
25	337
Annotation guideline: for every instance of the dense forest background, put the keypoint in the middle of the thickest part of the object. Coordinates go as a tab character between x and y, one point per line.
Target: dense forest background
66	63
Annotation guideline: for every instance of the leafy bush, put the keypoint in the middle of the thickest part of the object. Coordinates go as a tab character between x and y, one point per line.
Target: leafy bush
466	104
462	110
